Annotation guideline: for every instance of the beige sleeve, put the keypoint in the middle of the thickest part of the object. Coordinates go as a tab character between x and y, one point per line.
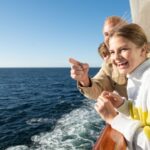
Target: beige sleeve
100	82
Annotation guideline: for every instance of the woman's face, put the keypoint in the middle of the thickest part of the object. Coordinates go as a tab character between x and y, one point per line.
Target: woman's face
125	54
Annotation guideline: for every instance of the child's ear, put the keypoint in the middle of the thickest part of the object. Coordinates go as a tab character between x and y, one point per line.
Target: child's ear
148	47
144	49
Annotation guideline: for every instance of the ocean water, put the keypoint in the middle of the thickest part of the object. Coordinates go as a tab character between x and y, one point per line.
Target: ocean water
41	109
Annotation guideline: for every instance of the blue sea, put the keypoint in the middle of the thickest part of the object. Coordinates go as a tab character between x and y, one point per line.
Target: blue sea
42	109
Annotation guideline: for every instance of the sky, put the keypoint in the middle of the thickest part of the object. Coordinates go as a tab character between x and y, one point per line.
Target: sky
46	33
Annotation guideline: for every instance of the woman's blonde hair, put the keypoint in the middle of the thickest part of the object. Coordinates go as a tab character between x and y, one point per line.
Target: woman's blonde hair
103	50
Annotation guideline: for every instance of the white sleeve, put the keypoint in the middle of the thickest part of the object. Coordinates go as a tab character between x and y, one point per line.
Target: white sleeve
133	132
125	125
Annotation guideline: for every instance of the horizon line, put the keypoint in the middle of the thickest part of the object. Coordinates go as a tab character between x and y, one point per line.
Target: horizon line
45	67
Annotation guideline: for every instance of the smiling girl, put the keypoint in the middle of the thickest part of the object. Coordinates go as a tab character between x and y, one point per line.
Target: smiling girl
128	48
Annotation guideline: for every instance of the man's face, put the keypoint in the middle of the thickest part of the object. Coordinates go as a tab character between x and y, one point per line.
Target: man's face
108	28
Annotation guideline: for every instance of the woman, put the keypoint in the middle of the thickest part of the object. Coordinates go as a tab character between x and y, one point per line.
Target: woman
128	48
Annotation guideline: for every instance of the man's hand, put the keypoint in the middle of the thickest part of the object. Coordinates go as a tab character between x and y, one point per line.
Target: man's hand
79	71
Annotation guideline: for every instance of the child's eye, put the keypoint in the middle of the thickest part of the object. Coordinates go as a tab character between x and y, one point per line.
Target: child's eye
124	49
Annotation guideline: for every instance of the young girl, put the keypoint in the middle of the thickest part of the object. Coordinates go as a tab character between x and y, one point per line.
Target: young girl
128	48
